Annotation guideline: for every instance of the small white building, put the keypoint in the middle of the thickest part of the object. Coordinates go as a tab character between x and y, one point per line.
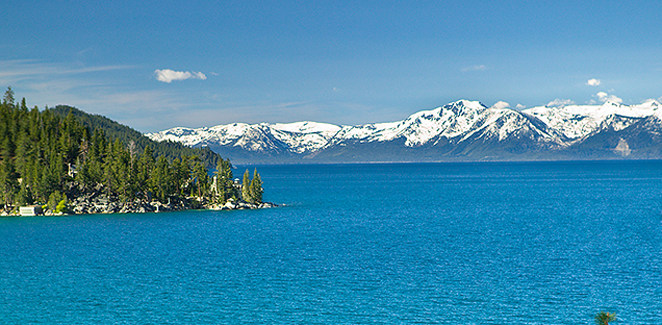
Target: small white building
30	210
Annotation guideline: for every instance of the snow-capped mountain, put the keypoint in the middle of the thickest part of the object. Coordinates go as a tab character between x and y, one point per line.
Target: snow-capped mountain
576	121
464	130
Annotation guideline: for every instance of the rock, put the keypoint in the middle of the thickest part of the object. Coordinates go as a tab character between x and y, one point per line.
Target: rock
244	205
229	205
266	205
99	202
111	207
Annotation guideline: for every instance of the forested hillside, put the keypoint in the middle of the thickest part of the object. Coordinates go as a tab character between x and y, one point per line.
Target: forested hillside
48	158
135	139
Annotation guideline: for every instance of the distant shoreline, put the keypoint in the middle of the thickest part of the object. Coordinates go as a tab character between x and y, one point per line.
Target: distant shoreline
311	163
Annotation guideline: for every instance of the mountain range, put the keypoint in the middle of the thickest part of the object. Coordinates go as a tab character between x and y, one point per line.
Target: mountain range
459	131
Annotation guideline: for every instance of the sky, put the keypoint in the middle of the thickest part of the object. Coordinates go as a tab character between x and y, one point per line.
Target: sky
158	64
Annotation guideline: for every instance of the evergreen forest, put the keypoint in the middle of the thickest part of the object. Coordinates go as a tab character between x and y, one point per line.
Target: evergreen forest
49	156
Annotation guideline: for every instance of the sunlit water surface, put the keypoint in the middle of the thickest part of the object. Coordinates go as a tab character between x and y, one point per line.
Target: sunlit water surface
484	243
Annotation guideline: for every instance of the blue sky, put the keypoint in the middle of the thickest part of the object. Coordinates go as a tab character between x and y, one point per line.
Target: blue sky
346	62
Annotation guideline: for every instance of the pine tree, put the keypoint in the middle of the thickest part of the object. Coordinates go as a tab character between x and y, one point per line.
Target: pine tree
256	188
8	182
24	196
53	200
9	97
38	149
199	177
224	181
145	166
245	187
117	167
161	180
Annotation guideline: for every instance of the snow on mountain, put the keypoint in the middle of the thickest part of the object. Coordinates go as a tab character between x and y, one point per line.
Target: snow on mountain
577	121
304	137
448	121
306	127
419	128
457	122
500	124
299	136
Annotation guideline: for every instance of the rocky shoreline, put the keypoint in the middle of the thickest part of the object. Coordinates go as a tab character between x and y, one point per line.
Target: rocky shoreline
97	203
105	205
241	205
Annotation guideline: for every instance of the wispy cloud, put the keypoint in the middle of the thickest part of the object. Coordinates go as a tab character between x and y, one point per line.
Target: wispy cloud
593	82
168	76
560	102
25	69
96	89
136	108
54	83
478	67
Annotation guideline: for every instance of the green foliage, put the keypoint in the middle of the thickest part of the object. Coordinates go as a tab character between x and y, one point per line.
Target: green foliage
251	189
63	206
46	155
256	188
53	200
225	189
8	99
200	178
246	186
130	137
24	196
8	182
604	318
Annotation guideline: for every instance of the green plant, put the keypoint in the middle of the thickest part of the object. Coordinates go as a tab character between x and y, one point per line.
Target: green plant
603	318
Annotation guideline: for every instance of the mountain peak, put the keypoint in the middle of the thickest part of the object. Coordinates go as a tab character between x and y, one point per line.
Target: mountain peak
611	102
456	128
467	103
652	103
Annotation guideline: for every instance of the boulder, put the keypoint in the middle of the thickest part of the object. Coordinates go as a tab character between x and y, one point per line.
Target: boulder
266	205
229	205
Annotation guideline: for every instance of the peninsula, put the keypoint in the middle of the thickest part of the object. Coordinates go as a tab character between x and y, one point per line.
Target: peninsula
65	161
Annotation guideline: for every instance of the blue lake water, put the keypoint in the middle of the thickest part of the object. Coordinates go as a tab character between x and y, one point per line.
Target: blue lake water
466	243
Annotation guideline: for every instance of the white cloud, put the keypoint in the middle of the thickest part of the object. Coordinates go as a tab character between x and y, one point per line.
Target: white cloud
520	106
95	89
604	97
478	67
501	104
167	75
593	82
560	102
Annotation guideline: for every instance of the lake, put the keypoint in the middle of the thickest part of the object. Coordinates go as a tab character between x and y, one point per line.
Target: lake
447	243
